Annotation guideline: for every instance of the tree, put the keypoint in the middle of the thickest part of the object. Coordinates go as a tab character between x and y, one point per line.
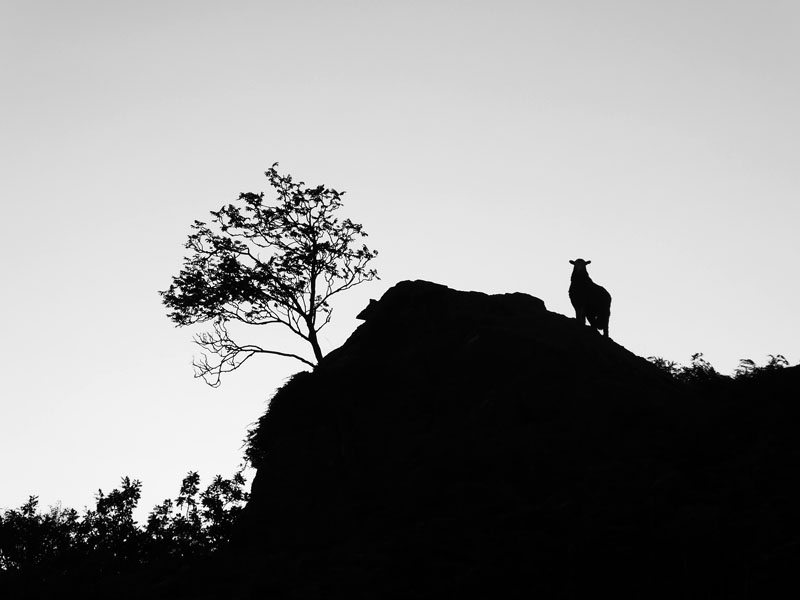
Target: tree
30	539
267	265
110	533
42	553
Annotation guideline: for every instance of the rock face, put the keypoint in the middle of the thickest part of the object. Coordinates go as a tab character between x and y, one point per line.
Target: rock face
465	443
461	442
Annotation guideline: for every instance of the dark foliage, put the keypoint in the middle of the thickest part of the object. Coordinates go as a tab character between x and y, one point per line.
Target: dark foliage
29	539
257	264
39	551
748	369
701	372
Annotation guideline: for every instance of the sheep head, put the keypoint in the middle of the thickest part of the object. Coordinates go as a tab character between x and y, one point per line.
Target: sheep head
580	265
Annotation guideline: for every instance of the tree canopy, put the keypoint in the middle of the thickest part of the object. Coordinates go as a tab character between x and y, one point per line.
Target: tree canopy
41	547
267	264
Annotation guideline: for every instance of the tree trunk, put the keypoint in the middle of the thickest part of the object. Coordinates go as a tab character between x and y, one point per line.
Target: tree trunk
312	339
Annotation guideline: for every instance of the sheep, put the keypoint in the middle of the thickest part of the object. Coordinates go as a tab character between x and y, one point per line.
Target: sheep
590	301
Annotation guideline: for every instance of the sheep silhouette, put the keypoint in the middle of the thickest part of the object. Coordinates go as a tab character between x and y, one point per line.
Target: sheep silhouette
590	301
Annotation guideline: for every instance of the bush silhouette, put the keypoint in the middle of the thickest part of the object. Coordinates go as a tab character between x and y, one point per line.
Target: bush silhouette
748	368
703	373
40	547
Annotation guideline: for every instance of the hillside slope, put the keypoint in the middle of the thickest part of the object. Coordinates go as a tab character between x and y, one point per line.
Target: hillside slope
460	441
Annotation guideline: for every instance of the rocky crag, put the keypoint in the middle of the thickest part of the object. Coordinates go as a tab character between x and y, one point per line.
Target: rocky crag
461	442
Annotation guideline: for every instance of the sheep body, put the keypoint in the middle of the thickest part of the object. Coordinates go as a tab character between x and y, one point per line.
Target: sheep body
590	301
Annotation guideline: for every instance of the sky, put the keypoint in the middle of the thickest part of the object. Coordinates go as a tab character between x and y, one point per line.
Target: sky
481	144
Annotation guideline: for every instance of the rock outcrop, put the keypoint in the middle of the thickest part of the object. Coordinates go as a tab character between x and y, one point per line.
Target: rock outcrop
462	442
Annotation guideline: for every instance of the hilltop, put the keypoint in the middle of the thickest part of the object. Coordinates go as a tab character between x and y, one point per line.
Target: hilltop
460	441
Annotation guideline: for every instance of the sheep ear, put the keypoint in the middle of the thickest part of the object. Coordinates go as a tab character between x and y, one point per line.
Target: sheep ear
588	262
572	262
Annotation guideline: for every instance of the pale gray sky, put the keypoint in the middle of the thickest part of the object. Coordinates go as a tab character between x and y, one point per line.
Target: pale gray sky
482	145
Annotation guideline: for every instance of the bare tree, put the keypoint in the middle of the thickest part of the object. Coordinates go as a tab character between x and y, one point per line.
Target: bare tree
267	265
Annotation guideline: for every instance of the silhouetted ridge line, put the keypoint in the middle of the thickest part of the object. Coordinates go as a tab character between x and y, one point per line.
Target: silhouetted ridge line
450	416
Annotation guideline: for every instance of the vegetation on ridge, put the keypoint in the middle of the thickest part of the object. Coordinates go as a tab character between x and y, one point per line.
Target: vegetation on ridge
701	371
